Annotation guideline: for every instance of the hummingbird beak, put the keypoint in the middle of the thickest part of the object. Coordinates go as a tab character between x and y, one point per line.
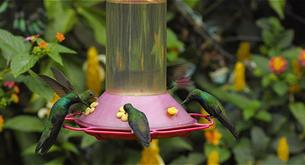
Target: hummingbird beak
185	101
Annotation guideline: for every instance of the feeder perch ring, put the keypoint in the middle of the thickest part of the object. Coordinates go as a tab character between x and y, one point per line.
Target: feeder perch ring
102	134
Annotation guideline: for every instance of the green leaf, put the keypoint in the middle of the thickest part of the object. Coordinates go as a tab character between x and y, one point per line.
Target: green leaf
87	141
243	153
12	45
192	158
263	116
61	49
270	160
259	141
223	152
34	83
191	3
56	50
277	122
95	22
285	39
62	17
174	145
70	147
261	63
56	161
280	88
298	111
24	123
296	160
22	63
278	6
292	53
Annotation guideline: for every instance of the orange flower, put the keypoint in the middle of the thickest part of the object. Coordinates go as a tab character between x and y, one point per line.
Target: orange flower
43	44
60	37
278	64
302	58
213	136
1	123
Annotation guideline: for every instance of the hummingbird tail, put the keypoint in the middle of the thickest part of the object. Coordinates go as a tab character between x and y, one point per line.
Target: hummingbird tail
225	122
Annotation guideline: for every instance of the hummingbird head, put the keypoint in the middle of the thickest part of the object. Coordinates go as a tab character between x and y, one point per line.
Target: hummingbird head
127	107
87	97
194	94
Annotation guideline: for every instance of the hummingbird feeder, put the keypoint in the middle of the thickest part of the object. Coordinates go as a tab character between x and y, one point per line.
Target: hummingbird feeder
136	74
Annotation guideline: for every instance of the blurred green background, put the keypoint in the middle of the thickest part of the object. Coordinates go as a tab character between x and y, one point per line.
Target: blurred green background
248	53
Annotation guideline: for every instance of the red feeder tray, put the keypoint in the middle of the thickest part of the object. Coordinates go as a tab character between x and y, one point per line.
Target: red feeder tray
103	123
102	134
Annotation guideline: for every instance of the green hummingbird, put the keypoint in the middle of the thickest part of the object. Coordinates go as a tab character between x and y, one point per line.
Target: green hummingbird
61	108
139	124
213	107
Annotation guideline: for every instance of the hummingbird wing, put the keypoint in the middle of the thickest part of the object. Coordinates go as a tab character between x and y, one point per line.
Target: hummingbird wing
215	108
56	86
50	133
62	79
180	74
139	124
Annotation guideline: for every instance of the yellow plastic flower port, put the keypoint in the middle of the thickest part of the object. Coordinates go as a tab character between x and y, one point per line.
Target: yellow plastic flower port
283	149
59	37
124	117
121	114
93	104
213	158
172	111
278	64
1	123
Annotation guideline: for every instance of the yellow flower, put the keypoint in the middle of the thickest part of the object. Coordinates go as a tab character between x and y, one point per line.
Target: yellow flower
295	88
43	44
213	158
213	136
243	52
239	77
59	37
297	68
15	98
278	64
95	73
150	155
1	123
283	149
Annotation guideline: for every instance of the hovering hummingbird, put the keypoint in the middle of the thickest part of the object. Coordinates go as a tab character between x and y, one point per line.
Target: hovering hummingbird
213	107
180	73
138	123
61	108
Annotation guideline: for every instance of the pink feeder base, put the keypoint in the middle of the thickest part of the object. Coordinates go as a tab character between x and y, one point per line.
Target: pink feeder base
103	123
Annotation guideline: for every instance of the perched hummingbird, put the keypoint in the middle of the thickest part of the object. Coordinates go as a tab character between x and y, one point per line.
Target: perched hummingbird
61	108
213	107
139	124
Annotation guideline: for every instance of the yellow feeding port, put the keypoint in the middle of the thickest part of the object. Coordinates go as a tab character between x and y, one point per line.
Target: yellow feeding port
136	47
